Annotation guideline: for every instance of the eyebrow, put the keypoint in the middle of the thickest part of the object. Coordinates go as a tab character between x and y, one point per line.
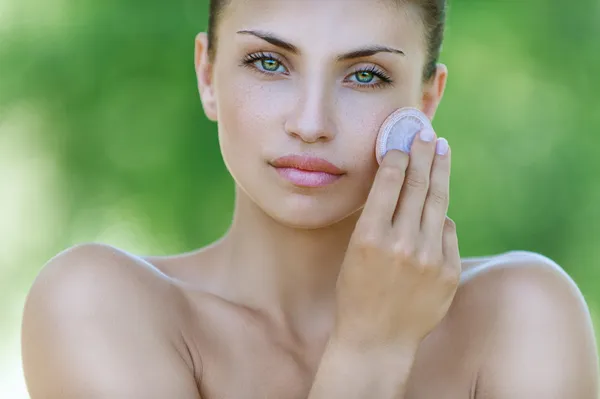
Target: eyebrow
358	53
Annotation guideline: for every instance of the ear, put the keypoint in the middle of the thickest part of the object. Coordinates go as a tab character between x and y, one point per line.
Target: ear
204	74
433	91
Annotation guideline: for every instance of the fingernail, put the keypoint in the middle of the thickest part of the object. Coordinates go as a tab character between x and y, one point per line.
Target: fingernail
441	146
427	135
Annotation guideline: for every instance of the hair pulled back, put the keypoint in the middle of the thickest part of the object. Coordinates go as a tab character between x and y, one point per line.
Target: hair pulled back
433	14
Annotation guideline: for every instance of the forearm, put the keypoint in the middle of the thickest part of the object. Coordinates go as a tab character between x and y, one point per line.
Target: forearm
352	374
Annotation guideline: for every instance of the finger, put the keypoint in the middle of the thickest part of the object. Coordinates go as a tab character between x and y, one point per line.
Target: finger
407	220
383	197
436	203
450	246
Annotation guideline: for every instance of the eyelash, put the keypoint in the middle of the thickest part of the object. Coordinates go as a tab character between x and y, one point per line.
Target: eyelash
384	79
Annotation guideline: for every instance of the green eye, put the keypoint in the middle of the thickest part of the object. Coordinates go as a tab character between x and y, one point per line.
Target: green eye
364	76
270	64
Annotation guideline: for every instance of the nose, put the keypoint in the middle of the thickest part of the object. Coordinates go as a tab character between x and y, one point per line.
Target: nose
310	120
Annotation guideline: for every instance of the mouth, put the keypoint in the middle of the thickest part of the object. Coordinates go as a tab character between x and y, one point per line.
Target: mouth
304	171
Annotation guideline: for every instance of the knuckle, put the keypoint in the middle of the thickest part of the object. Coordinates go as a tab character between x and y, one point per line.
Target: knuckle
403	252
439	197
449	224
416	180
427	260
367	239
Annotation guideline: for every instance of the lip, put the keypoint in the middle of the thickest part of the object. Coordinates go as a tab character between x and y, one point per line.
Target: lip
305	171
307	164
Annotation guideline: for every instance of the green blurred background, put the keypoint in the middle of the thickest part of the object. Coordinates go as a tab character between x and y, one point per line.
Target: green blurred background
102	136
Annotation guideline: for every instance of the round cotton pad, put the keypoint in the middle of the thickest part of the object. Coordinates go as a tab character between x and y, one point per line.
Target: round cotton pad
399	130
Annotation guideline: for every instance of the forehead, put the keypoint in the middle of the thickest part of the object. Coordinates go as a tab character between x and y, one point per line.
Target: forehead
334	25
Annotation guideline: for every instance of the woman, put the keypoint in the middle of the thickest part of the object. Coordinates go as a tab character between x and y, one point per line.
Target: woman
337	278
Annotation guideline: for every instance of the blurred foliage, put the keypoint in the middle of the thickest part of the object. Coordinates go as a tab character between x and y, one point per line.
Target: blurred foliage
102	135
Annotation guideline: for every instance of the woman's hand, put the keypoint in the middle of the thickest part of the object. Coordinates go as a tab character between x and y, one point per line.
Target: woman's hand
402	266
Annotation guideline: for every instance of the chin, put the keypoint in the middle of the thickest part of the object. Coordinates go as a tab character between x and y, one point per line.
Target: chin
313	222
310	213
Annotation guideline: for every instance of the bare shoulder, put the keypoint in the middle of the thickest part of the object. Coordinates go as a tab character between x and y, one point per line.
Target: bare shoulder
517	276
519	282
99	322
95	276
538	334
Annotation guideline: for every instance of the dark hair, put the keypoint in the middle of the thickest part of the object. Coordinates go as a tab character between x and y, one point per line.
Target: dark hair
433	13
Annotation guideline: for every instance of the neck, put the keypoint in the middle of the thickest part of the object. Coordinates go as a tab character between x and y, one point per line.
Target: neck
288	273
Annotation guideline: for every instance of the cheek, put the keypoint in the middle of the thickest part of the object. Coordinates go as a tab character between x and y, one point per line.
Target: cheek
361	116
363	113
250	110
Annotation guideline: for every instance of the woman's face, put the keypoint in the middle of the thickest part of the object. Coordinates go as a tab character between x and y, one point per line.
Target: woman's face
310	78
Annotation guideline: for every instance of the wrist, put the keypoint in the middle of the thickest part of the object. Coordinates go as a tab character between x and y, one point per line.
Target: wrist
352	346
373	358
347	371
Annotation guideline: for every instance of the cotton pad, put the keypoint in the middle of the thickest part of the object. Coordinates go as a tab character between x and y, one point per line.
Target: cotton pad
399	130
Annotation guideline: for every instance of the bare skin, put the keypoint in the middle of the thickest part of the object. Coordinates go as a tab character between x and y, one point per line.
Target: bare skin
355	290
102	323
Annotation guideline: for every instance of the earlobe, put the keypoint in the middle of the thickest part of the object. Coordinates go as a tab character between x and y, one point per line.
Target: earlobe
434	91
204	75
